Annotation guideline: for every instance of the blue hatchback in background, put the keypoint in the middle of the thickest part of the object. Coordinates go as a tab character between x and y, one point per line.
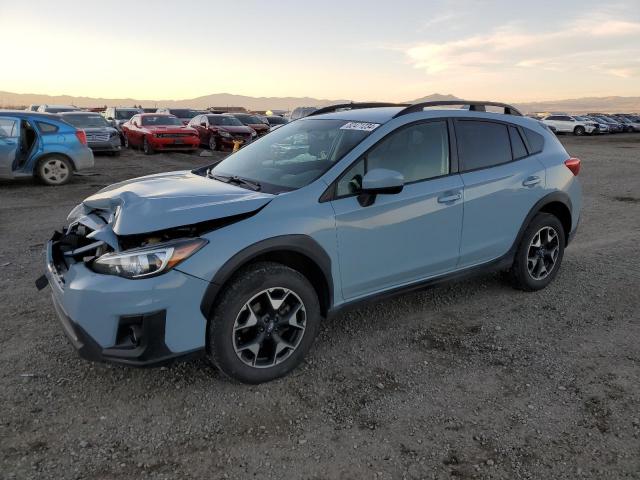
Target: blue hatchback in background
241	260
41	145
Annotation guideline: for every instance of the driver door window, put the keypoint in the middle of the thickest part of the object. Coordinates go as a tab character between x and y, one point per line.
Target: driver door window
419	152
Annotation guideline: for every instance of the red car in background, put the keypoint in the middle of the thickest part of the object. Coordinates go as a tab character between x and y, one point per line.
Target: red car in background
252	121
159	131
222	132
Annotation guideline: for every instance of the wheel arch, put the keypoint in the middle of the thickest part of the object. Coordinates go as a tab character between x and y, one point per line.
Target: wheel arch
555	203
44	156
300	252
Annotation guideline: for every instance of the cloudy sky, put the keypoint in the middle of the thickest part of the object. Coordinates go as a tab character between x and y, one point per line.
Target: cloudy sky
360	50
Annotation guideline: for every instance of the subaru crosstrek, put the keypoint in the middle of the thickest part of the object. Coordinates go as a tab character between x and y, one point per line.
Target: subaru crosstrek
242	260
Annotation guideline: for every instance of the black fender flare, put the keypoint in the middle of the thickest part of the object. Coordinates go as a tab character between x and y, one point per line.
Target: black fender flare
553	197
300	244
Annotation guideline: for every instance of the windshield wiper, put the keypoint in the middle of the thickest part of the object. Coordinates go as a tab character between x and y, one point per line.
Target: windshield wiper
255	186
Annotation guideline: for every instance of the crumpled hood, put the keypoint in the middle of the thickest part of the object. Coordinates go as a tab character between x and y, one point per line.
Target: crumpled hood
167	200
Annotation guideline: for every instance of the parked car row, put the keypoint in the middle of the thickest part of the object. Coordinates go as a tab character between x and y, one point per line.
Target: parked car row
593	123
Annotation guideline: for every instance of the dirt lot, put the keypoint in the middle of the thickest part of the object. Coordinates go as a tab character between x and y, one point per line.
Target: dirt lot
469	380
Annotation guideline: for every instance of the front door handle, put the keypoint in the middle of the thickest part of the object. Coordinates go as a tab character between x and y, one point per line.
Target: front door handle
450	197
531	181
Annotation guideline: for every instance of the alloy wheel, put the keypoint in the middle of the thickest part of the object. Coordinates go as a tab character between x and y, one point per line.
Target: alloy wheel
55	171
212	143
543	253
269	327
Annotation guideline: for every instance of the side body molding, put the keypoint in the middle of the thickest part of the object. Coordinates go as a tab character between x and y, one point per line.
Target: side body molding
298	244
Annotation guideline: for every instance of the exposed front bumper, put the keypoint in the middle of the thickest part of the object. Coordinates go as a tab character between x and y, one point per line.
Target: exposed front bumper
228	143
98	314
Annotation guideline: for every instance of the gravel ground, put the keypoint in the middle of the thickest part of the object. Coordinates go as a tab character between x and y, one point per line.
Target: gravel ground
467	380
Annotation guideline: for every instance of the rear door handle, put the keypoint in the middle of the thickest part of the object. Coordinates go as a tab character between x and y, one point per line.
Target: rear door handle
531	181
450	197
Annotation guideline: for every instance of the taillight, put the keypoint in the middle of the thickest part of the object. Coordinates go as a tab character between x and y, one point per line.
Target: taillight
573	164
82	137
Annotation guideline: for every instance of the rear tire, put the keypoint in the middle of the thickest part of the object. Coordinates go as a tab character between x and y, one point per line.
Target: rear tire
125	142
54	170
579	131
539	254
263	324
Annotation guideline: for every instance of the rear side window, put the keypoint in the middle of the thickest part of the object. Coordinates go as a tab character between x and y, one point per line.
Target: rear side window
47	127
482	144
535	140
517	145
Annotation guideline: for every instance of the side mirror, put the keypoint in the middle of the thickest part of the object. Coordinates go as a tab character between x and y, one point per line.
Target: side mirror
110	119
203	124
380	181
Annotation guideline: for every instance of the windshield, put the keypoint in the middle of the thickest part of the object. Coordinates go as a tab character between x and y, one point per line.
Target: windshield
224	120
249	119
295	154
86	121
160	120
183	112
276	120
125	114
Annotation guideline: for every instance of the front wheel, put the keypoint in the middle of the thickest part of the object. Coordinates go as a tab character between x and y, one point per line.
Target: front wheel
212	143
264	324
579	131
146	146
126	141
539	253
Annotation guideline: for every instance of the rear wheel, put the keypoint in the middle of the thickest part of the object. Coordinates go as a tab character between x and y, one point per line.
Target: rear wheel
126	141
539	253
146	147
54	170
264	324
579	131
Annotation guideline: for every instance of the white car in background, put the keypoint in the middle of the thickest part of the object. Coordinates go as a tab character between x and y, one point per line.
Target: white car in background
570	124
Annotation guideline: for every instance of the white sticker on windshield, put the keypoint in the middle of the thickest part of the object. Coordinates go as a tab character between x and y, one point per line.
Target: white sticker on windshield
363	126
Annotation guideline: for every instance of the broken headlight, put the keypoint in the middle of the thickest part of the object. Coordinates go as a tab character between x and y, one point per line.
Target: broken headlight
147	261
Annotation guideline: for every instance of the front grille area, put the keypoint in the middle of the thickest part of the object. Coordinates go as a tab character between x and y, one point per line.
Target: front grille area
173	135
97	137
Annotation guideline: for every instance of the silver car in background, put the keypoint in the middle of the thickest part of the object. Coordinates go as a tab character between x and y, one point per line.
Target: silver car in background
101	137
117	116
57	108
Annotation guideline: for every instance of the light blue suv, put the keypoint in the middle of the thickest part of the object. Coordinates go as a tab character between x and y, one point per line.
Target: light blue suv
242	260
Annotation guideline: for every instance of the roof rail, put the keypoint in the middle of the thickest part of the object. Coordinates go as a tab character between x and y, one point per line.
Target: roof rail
474	106
356	106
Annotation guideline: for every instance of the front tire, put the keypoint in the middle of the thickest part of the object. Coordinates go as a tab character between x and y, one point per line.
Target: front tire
539	253
54	170
579	131
125	142
213	145
146	146
264	323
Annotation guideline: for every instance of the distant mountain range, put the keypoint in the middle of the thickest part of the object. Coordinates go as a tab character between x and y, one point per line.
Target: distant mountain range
577	105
